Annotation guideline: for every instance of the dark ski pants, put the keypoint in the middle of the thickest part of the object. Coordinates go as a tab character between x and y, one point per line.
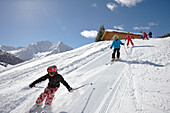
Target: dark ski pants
114	52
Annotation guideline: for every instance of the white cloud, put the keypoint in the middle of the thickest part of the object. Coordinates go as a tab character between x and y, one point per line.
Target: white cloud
120	27
128	3
94	5
89	34
141	28
152	24
111	6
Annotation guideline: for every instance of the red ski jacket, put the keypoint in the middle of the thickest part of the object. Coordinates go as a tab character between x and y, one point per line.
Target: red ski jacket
145	35
129	37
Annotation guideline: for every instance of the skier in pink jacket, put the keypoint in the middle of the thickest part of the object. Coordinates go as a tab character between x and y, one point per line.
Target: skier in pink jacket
129	38
145	36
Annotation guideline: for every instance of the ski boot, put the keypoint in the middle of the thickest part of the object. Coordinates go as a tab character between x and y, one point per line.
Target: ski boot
113	59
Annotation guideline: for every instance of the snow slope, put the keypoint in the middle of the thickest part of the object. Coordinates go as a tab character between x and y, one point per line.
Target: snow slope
138	83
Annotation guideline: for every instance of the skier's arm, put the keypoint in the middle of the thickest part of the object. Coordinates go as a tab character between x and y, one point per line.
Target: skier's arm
65	84
121	42
112	44
43	78
132	37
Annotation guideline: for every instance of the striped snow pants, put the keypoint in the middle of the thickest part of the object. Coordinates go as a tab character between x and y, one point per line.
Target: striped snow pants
49	93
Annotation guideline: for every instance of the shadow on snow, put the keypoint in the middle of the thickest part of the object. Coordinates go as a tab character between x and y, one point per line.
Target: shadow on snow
142	62
144	46
88	100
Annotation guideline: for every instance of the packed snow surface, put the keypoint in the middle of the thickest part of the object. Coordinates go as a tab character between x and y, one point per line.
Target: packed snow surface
138	83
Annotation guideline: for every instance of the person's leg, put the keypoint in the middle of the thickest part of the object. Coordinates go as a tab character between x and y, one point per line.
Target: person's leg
118	53
128	42
50	96
143	38
113	54
42	96
131	42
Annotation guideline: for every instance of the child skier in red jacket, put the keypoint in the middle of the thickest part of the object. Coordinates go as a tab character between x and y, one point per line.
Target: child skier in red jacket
129	38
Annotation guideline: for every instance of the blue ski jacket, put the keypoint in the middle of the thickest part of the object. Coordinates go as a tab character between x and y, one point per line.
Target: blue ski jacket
116	43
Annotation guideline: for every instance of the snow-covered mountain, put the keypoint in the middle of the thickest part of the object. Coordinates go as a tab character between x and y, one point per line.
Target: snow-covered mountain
138	83
6	58
37	50
58	48
9	48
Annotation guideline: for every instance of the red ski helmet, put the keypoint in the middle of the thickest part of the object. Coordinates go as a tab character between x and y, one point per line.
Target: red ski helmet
52	69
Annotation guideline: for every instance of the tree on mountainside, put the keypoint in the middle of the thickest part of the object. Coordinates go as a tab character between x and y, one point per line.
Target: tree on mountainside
100	33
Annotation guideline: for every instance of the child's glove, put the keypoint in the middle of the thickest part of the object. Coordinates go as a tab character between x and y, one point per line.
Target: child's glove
70	89
31	85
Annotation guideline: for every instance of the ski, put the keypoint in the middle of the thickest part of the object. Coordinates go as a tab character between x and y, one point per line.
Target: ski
34	109
114	61
46	112
111	62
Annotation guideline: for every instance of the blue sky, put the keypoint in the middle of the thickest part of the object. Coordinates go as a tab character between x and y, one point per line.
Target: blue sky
76	22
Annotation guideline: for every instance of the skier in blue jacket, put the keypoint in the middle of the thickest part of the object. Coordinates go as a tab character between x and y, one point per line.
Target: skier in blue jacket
116	43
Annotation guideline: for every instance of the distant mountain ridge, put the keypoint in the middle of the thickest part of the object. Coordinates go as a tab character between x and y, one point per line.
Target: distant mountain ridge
37	50
9	48
6	58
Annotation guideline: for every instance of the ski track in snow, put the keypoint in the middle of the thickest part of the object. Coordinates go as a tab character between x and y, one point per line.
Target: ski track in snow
137	83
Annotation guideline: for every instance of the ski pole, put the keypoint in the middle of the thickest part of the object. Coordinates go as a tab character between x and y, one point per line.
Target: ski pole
126	50
73	88
82	86
38	87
